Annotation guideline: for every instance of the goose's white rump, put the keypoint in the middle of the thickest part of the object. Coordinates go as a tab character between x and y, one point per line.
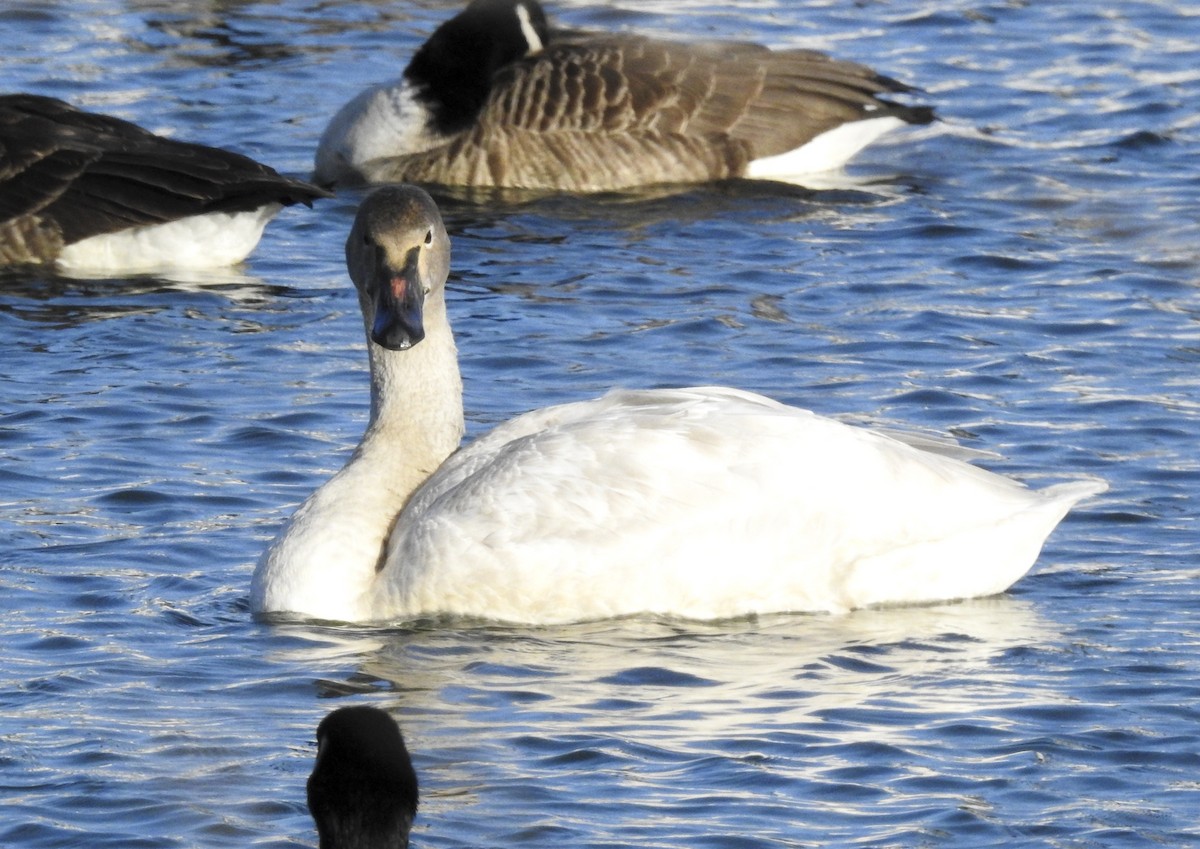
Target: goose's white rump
704	502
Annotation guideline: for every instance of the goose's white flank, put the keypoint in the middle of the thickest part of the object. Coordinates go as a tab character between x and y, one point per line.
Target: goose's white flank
496	97
90	193
705	502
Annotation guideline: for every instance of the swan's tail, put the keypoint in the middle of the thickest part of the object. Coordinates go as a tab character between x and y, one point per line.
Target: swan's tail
1070	494
977	561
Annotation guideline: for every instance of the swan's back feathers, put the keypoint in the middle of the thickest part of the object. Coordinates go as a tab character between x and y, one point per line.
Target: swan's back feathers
651	492
67	175
519	436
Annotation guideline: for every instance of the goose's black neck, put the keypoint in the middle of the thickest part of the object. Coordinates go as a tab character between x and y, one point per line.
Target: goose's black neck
453	70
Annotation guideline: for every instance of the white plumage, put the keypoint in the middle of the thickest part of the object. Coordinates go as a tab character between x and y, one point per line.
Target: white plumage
704	502
213	240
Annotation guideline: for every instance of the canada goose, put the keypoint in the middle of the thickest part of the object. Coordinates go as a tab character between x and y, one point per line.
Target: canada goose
495	98
703	503
362	792
89	192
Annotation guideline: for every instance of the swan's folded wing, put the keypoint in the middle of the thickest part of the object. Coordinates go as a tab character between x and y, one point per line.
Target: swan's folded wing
704	504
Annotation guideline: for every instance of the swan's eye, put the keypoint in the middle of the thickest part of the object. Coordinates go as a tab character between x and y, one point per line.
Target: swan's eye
367	240
429	237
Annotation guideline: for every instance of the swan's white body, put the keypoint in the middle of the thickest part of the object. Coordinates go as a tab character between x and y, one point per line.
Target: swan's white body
703	503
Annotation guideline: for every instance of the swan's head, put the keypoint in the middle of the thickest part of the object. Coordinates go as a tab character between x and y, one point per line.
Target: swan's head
398	255
363	788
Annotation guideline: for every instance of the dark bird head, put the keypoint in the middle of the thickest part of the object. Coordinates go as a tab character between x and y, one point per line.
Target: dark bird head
362	793
453	70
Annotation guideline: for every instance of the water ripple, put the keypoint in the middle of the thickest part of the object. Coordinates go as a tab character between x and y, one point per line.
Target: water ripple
1022	275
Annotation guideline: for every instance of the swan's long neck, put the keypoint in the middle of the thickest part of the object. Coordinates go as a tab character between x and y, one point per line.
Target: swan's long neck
416	410
326	560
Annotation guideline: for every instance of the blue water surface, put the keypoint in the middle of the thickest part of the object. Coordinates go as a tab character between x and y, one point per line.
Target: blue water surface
1022	275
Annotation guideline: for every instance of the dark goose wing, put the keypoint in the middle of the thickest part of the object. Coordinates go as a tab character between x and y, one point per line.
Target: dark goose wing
599	112
67	174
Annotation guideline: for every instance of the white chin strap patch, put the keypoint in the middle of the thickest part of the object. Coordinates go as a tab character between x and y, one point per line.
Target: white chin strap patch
531	36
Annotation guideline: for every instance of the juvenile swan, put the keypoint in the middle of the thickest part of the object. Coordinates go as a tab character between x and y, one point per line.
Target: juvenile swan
89	192
496	98
704	502
362	793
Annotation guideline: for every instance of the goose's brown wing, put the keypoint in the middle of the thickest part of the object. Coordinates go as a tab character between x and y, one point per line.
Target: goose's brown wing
602	113
774	101
566	160
78	174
